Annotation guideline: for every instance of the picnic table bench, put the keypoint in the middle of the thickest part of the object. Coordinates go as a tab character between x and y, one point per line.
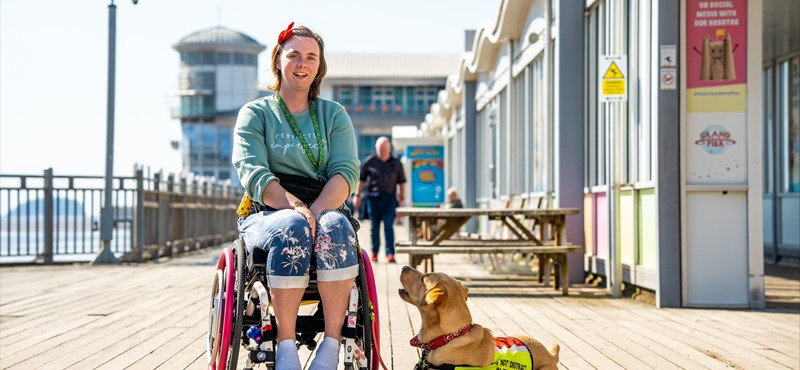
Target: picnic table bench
437	226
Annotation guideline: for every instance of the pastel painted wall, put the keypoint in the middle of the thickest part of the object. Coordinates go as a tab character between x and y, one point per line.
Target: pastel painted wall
627	227
647	228
589	224
602	225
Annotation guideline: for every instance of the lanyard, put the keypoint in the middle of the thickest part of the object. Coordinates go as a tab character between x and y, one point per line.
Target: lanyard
316	163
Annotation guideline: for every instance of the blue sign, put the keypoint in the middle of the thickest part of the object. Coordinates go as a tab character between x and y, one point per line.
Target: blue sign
427	174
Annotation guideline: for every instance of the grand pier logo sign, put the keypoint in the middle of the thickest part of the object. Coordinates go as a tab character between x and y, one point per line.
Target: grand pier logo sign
715	139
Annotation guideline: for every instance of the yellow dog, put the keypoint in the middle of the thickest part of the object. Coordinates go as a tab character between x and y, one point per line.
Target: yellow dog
450	340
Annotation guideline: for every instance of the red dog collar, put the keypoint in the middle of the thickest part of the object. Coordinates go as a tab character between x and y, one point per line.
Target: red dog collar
439	341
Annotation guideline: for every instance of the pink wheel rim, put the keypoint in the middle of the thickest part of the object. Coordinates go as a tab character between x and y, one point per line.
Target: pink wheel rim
226	264
373	297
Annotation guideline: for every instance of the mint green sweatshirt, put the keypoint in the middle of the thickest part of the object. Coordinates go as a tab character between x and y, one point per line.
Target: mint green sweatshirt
264	142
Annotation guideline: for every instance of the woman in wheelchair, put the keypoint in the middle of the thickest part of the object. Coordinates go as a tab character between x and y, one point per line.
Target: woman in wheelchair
295	155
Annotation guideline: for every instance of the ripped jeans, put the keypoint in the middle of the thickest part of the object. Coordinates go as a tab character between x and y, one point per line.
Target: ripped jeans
286	235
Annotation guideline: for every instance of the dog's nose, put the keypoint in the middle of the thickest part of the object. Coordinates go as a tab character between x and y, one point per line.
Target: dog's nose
405	268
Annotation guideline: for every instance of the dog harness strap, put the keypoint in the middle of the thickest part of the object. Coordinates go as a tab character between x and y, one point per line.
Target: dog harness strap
439	341
423	364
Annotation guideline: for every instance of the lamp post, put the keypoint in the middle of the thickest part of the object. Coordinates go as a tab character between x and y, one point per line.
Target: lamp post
107	211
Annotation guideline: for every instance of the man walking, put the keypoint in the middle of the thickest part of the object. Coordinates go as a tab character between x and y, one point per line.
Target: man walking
385	186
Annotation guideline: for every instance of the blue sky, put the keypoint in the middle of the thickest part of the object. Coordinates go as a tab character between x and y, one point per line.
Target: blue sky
54	57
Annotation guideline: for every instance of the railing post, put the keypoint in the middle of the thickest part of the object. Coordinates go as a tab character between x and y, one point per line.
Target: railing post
195	212
184	226
138	220
47	254
170	213
222	212
161	216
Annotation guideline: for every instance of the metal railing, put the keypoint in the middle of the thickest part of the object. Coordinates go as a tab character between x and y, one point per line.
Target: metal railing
47	218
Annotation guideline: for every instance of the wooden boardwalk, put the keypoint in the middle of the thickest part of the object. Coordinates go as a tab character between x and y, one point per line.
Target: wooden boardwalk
153	315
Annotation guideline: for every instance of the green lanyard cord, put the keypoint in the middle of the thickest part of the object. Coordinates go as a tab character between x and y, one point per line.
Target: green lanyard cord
315	162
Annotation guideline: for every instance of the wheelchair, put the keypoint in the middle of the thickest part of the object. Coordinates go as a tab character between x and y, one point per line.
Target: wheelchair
239	316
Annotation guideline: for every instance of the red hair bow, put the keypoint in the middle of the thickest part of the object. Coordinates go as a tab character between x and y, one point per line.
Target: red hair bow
285	34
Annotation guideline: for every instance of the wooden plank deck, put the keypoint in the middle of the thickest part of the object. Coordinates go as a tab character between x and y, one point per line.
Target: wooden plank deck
153	315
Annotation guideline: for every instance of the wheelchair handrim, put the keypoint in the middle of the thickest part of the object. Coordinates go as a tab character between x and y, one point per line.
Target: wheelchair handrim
214	317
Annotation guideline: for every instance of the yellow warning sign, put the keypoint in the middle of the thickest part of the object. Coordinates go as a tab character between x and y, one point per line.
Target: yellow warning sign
613	72
612	81
614	87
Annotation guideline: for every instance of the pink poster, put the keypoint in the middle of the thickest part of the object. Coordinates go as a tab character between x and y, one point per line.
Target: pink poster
716	37
716	91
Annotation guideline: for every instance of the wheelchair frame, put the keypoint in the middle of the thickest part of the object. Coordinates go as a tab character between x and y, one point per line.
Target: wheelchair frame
240	299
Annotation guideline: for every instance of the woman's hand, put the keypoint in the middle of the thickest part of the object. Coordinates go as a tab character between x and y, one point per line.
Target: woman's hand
310	217
316	211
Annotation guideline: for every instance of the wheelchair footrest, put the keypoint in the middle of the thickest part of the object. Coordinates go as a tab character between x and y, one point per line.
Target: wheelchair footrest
258	356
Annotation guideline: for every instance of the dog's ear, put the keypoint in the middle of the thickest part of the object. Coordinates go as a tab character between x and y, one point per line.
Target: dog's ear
463	289
435	295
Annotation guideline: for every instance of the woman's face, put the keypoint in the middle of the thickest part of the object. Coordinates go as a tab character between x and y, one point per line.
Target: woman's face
299	63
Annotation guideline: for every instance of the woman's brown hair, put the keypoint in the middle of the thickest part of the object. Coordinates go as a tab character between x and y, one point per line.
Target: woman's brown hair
301	31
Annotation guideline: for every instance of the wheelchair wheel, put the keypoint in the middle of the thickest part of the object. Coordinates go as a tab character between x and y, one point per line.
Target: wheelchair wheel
369	277
240	257
220	315
364	323
215	316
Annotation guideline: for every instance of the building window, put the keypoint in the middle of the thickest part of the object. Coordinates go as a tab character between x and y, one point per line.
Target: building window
537	128
224	57
640	140
198	58
365	95
197	106
208	148
190	58
344	95
398	99
387	100
366	146
769	123
225	147
790	142
595	123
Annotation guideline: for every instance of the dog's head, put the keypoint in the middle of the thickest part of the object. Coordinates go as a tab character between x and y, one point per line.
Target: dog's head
433	291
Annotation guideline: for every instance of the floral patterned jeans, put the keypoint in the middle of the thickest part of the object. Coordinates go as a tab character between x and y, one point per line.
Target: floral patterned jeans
286	236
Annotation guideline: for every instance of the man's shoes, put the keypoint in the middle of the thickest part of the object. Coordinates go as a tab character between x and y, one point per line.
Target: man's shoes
390	258
374	258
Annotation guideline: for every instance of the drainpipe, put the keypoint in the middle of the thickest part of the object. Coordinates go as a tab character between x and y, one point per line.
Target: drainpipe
510	117
548	59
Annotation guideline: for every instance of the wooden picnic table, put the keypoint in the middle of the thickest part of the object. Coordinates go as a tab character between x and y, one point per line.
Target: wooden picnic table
437	226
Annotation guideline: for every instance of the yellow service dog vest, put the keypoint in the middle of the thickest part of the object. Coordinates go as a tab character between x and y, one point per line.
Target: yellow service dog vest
509	354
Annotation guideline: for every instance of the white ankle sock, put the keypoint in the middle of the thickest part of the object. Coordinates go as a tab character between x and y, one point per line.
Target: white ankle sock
286	356
327	355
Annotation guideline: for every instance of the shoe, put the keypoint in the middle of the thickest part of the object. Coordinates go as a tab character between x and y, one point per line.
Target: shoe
374	258
390	258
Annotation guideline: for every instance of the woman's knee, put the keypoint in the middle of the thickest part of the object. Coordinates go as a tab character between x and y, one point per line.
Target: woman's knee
336	248
333	220
271	228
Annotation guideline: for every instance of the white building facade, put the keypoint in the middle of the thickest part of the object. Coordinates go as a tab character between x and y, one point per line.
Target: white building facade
648	116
